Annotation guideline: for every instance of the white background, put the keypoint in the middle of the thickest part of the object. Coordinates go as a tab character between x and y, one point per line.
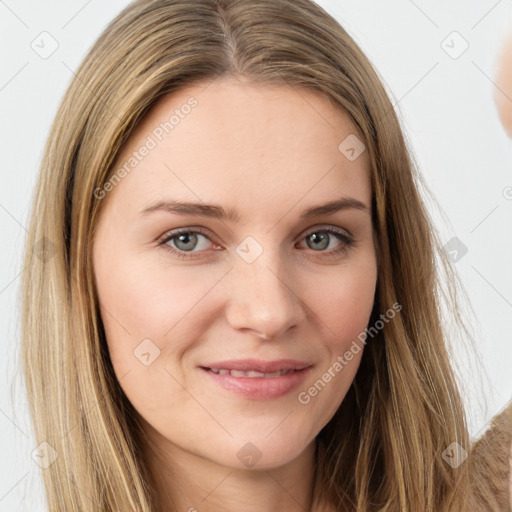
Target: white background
447	113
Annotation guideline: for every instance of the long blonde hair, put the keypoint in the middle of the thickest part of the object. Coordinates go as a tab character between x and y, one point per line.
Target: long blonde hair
383	448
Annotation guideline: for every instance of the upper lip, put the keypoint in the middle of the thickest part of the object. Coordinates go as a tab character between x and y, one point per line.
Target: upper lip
259	365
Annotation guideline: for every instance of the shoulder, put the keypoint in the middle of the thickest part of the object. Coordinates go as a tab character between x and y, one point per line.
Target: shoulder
490	462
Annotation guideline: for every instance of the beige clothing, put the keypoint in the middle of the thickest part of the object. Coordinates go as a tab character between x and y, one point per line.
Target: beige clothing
491	465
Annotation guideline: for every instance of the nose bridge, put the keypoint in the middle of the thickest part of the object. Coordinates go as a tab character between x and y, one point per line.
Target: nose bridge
261	297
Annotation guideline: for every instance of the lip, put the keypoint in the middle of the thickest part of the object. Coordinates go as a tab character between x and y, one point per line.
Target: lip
259	365
259	388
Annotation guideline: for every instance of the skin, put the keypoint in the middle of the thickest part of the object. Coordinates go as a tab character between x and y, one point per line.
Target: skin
269	152
503	92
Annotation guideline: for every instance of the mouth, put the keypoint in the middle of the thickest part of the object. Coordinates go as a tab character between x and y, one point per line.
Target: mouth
258	366
257	379
251	373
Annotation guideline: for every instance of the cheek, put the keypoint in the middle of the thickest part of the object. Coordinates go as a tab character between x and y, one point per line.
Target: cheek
144	311
141	300
344	304
153	316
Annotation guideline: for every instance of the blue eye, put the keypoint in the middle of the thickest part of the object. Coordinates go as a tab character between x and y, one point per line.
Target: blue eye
321	238
183	242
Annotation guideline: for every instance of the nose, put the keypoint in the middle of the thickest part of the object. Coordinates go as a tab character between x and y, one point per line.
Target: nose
263	300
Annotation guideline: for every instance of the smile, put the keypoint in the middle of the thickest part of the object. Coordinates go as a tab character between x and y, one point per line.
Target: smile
257	385
251	374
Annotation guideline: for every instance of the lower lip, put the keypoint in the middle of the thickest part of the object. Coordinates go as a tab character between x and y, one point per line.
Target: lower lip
260	388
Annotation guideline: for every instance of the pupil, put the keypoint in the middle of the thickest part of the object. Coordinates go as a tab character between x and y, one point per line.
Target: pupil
319	241
185	238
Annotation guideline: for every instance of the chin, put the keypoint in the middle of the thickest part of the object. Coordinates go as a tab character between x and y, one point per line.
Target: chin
261	453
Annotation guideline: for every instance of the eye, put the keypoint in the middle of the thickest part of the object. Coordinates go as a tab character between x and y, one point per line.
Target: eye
184	240
321	239
188	243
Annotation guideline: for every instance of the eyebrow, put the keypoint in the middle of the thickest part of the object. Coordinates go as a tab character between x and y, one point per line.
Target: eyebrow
218	212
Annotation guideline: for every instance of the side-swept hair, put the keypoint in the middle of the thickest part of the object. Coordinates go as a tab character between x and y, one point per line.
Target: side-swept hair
383	448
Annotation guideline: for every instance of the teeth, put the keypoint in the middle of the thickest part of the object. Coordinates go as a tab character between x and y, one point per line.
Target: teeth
238	373
250	373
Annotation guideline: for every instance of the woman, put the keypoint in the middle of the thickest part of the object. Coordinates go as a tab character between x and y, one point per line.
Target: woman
235	301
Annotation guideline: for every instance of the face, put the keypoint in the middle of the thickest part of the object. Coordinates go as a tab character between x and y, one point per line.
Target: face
226	324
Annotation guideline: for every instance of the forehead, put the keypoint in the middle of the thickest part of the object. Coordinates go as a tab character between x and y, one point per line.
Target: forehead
243	144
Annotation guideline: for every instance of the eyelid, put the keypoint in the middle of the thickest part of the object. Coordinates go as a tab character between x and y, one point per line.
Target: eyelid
203	231
348	242
189	229
321	227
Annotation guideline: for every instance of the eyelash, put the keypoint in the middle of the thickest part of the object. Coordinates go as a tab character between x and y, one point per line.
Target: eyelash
348	242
